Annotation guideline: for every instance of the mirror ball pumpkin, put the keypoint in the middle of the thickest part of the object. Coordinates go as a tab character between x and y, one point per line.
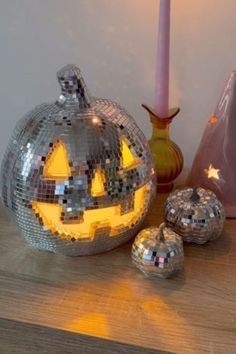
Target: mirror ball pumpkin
77	176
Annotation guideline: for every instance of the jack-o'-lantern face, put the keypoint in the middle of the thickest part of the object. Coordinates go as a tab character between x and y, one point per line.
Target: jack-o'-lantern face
77	175
102	212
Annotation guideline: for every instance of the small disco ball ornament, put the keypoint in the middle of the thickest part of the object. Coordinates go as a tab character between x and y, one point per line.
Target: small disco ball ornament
77	176
158	252
195	214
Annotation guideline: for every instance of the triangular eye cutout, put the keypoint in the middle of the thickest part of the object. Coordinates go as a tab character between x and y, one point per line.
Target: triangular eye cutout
57	164
129	161
98	182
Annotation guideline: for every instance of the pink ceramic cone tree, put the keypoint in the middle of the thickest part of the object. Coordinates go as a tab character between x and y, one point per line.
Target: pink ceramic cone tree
214	166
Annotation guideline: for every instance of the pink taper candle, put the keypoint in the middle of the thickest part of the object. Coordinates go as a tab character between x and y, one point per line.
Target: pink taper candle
161	103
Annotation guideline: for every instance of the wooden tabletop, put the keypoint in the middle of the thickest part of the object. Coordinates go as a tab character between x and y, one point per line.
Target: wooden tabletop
102	304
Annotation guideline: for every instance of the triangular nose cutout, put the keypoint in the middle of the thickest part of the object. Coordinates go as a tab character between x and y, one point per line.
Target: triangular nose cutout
98	182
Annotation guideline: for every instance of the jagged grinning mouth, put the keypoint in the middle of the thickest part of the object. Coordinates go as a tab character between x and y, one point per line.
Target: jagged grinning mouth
109	217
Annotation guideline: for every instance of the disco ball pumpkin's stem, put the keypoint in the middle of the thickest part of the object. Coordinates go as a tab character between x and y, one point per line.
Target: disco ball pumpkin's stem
167	156
161	236
195	197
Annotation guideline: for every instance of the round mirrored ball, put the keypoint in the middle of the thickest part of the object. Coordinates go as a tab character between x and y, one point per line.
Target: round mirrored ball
158	252
194	213
77	176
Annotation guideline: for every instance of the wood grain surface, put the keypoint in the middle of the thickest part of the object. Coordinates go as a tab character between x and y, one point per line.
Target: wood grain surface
103	304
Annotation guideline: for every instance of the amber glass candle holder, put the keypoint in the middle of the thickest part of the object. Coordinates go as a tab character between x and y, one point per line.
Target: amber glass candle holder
167	156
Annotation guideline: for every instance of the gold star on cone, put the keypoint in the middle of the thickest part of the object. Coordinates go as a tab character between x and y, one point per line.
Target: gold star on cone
213	120
212	172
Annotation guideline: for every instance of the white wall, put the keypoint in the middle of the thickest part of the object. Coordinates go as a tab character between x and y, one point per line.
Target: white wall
114	43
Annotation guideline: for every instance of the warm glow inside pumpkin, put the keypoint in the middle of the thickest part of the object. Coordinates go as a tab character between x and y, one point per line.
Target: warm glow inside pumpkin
57	168
77	176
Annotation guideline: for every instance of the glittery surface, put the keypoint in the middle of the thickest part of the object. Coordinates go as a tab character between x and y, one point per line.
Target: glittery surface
196	220
158	254
77	176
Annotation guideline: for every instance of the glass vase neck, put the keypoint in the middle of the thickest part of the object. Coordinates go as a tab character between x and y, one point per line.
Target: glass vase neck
160	129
